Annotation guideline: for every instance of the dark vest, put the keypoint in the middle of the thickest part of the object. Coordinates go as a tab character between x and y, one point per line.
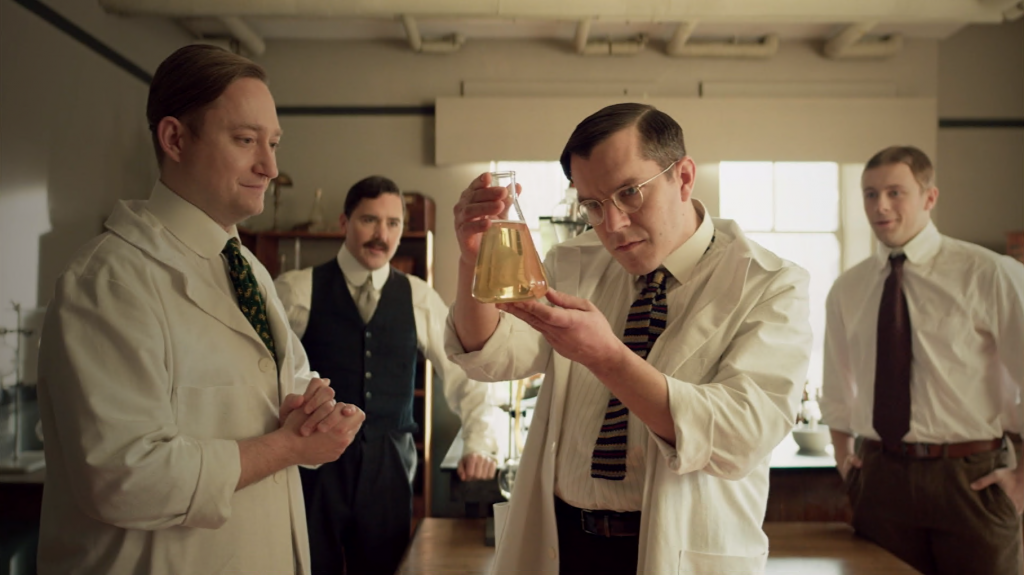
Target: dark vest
370	365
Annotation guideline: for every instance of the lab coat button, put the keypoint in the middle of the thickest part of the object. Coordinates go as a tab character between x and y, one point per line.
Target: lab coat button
369	353
369	395
279	476
553	553
266	364
369	375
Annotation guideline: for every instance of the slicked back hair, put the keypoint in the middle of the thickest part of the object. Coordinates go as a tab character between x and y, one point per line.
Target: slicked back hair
661	137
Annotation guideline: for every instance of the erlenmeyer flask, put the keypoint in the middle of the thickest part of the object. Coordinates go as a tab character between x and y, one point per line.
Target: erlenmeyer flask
508	268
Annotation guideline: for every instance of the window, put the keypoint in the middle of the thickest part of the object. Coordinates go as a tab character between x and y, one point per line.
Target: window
792	209
543	186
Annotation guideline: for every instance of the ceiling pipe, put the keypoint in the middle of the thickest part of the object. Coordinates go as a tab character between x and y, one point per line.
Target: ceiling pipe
847	44
677	46
246	36
605	47
447	45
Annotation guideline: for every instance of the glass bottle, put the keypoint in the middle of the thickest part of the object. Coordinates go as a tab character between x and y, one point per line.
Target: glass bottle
316	215
507	267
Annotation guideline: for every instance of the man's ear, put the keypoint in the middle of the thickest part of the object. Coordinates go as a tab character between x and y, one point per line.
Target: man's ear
343	223
171	134
931	197
686	170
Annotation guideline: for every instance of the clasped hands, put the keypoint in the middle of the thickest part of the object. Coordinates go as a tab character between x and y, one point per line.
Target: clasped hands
327	426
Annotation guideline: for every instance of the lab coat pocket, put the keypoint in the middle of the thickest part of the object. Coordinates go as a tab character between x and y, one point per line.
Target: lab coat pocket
696	563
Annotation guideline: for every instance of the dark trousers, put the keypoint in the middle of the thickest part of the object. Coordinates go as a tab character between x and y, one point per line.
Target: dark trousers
925	512
582	553
359	508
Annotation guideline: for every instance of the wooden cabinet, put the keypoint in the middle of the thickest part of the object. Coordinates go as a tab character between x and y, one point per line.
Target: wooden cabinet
415	256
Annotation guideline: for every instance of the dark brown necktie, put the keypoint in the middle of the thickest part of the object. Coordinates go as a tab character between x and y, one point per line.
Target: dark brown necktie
891	416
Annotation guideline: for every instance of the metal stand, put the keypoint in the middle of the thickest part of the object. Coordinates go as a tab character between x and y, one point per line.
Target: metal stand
19	461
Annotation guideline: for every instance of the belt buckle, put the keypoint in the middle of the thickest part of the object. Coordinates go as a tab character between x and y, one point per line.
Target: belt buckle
600	524
920	450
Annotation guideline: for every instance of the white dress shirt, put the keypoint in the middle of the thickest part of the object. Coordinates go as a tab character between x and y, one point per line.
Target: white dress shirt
587	397
967	322
470	400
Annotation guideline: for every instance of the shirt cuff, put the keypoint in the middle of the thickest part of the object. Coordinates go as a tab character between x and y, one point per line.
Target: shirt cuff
690	452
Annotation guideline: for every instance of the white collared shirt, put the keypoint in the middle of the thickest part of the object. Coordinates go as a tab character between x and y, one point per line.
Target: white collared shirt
587	397
198	233
967	322
470	400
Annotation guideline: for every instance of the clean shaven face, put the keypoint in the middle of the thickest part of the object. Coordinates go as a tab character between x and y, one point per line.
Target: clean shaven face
639	241
230	162
896	205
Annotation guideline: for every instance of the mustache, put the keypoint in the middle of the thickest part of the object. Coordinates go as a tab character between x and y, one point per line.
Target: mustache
376	245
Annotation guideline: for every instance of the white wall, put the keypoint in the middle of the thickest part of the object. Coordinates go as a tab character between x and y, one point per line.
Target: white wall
980	171
73	137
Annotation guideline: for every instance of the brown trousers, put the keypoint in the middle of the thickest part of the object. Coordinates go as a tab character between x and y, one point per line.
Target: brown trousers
925	512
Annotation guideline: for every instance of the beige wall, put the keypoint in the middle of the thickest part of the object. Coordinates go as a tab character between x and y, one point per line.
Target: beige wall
980	171
333	152
73	138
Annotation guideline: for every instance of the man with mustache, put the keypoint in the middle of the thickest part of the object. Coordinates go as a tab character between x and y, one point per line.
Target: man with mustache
924	365
362	322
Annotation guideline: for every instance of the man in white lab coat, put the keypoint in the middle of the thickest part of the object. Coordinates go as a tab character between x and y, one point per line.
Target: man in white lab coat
683	488
169	380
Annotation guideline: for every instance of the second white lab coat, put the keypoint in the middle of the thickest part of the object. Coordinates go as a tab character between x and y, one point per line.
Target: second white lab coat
735	365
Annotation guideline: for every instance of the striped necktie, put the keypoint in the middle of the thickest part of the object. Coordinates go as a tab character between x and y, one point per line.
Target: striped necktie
250	301
646	321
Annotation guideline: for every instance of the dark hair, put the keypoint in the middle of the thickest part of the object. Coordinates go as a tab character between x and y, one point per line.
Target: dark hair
918	162
369	188
661	137
189	80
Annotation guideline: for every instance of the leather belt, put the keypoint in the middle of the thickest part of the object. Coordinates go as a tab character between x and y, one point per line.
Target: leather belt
935	450
602	522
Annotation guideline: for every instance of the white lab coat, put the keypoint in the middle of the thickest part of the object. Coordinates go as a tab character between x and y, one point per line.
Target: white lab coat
148	377
735	366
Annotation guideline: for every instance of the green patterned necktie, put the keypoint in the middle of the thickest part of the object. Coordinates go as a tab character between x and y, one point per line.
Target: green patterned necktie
250	301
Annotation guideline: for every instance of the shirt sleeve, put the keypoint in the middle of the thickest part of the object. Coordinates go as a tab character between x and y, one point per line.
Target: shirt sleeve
839	387
103	375
470	400
295	289
730	424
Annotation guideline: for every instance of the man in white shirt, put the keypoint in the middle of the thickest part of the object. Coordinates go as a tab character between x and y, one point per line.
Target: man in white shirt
642	457
168	376
362	322
931	393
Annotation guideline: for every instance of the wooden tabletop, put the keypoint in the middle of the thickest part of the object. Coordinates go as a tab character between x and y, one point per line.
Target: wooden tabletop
456	547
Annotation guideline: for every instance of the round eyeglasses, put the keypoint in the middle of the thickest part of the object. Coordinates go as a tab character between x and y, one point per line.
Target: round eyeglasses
628	200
